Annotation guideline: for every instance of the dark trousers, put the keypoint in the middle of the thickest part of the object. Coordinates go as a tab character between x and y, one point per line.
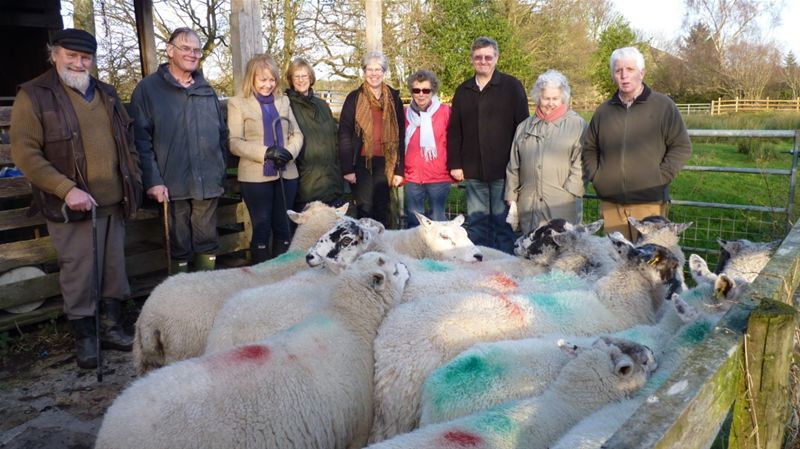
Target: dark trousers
267	209
193	228
371	191
73	243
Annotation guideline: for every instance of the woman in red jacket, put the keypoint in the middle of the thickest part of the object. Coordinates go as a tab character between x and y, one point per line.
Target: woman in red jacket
426	173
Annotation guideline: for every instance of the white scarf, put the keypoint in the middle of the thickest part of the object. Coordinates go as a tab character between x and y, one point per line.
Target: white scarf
424	121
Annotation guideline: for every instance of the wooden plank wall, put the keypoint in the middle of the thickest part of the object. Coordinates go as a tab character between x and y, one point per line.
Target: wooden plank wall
24	242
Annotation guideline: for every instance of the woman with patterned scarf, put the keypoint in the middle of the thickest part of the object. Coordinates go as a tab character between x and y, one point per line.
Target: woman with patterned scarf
267	139
372	139
426	173
544	178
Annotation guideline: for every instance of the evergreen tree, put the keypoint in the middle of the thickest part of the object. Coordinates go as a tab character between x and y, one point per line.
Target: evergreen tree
617	35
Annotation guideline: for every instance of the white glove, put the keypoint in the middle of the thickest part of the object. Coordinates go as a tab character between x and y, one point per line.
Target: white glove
513	216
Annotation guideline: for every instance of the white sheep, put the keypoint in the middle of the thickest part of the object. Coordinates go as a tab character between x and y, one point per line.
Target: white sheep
309	386
560	245
175	319
489	374
256	313
597	376
419	336
743	259
659	230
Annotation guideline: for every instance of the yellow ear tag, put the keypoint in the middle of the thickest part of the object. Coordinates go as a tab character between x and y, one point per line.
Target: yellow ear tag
654	260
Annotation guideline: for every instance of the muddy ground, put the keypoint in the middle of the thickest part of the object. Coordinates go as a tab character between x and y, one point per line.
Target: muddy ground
46	401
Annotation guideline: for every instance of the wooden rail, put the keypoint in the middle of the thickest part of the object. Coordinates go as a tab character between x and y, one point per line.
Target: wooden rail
721	106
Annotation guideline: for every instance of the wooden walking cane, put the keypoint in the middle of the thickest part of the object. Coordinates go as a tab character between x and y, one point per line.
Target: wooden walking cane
96	292
166	237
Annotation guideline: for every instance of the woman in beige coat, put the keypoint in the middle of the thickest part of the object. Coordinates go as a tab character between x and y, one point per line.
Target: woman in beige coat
266	137
543	176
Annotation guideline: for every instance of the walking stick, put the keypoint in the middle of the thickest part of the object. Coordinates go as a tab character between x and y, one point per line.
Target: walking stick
167	250
96	292
280	171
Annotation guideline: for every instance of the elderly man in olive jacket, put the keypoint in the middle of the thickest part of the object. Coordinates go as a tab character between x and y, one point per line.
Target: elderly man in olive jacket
485	113
635	145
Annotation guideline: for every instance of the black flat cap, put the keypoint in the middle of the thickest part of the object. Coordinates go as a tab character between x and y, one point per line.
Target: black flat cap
77	40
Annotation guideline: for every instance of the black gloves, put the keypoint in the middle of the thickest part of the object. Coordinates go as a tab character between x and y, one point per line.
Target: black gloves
278	155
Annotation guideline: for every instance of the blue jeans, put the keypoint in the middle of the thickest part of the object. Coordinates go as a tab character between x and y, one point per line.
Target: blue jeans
264	202
436	193
487	212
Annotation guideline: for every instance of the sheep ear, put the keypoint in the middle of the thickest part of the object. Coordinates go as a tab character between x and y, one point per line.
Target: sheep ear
678	228
731	246
376	281
724	287
341	211
296	217
635	223
623	364
423	220
592	228
685	312
568	348
459	220
372	225
560	239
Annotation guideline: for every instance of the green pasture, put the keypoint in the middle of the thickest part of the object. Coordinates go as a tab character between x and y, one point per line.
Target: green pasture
710	223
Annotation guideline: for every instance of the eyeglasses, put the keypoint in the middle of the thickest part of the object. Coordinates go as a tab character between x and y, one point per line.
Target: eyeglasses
420	91
186	49
479	58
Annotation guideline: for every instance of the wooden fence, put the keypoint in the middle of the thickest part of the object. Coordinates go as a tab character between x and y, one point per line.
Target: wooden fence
721	106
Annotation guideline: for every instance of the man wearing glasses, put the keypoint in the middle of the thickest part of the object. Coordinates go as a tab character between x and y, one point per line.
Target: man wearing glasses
486	110
182	141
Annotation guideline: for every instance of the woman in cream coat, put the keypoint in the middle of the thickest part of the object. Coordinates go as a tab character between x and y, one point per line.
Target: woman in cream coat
544	173
267	172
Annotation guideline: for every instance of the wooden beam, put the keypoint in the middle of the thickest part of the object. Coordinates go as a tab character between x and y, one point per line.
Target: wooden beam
83	17
245	36
374	25
145	31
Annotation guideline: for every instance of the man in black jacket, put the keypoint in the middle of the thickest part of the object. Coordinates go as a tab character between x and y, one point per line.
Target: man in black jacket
485	113
182	141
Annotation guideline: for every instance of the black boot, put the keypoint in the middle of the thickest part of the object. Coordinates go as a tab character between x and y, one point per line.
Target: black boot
258	254
112	336
279	247
85	342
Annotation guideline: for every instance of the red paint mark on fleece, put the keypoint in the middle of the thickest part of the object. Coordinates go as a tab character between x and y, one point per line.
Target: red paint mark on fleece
503	282
462	439
258	354
513	307
247	270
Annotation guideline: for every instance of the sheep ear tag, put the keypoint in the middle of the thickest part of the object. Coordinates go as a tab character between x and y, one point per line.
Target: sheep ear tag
655	260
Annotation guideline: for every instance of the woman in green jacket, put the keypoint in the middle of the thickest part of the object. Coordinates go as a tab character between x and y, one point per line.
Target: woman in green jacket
318	163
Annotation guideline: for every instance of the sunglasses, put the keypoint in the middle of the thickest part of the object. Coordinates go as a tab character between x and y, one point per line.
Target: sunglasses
420	91
487	58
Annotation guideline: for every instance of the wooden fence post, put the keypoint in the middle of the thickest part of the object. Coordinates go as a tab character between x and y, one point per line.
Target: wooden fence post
762	404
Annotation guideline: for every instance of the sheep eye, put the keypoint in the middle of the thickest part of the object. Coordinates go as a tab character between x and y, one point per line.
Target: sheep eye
445	237
347	241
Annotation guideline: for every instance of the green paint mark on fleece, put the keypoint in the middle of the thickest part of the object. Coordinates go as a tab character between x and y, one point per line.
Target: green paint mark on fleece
318	321
434	266
695	333
554	304
556	281
288	257
462	377
496	421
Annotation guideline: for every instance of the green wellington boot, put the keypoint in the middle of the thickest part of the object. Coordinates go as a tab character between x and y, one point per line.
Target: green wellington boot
178	266
204	262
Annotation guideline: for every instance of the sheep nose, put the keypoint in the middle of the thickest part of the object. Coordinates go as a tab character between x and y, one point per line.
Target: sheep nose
311	260
478	257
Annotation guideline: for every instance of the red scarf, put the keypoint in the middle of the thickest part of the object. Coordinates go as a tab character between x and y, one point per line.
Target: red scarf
553	116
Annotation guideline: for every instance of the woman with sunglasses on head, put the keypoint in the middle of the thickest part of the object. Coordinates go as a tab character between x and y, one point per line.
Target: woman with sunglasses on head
371	140
544	176
426	173
318	163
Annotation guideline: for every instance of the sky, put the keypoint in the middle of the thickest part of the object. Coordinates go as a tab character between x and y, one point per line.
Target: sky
662	19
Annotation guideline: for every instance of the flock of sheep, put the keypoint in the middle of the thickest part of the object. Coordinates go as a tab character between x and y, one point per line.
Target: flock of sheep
419	339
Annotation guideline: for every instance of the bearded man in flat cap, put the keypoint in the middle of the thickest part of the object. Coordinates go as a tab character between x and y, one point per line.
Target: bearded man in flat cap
73	140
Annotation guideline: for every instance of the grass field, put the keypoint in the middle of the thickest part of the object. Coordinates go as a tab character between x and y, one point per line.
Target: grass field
710	223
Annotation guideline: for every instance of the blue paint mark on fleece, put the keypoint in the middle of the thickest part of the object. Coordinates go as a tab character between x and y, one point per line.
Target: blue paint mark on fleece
434	266
497	421
558	281
555	305
317	321
288	257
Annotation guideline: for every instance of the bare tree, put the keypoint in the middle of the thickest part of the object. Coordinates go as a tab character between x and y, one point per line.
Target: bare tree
791	74
751	67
